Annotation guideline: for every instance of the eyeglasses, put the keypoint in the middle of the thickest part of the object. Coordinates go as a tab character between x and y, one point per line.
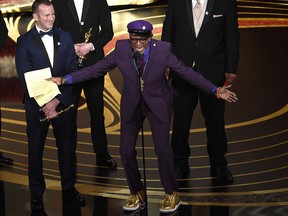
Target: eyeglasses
141	40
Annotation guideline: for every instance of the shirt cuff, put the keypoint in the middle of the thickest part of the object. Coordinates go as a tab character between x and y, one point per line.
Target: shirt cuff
214	91
93	48
69	79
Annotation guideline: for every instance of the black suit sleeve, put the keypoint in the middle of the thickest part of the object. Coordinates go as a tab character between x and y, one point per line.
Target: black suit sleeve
106	33
232	38
168	25
3	31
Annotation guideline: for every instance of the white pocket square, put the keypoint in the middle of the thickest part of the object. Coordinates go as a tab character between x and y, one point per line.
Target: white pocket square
217	15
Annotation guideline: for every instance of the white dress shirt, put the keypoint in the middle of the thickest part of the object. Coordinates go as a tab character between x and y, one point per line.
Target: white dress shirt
197	24
49	45
79	8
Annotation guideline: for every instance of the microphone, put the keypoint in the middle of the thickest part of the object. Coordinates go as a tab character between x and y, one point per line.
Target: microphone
137	58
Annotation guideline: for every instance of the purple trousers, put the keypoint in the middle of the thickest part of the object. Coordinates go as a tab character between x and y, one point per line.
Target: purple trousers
163	150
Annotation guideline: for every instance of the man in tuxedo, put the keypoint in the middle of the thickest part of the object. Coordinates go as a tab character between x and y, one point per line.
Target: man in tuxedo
204	35
41	47
3	37
146	94
78	17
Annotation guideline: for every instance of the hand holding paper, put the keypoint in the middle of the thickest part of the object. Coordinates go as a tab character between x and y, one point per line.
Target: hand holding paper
38	87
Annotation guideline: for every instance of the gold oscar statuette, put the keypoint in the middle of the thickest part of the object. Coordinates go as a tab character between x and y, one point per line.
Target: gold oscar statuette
46	119
82	58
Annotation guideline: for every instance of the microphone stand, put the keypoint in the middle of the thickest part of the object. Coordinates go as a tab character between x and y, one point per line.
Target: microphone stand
144	164
142	130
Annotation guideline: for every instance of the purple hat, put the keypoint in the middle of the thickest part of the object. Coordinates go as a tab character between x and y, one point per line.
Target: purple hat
140	28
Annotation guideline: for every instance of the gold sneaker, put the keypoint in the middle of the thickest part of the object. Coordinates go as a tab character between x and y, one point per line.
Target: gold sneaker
170	203
135	201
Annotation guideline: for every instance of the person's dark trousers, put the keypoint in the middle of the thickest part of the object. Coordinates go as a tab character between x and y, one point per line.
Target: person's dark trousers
37	132
2	198
213	111
185	101
93	91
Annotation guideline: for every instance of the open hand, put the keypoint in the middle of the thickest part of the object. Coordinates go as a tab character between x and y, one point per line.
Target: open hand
224	94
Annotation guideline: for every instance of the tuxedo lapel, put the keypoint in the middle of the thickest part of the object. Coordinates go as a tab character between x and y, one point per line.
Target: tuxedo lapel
208	14
85	9
40	44
72	8
152	60
190	15
56	47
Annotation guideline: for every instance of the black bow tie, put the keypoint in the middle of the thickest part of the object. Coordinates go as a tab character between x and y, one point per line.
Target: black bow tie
50	33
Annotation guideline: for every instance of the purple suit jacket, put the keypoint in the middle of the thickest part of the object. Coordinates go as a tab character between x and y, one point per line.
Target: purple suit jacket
157	89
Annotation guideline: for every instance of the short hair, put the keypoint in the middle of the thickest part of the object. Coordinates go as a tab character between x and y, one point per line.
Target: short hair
36	4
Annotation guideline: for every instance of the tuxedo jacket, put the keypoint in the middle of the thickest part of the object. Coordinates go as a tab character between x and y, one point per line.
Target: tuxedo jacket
96	13
31	55
215	50
157	90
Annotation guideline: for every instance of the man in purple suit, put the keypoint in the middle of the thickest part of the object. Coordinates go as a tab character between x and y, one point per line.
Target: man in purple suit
146	93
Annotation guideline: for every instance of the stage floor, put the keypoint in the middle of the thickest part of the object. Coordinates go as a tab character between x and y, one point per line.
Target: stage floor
256	128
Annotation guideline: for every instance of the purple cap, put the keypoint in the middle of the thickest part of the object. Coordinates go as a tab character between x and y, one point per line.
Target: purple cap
140	28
